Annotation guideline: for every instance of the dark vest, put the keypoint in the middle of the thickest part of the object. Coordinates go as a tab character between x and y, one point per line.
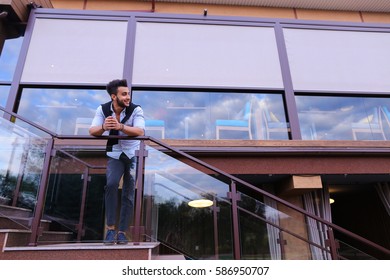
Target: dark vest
106	107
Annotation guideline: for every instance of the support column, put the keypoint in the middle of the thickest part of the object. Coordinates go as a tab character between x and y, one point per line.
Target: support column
3	31
291	190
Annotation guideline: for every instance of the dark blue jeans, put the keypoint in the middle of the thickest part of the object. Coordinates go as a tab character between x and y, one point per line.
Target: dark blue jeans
115	169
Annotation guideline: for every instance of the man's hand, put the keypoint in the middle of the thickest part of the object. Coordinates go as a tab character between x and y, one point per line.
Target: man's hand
111	123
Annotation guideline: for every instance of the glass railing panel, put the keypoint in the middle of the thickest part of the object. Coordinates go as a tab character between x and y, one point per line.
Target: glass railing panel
359	249
21	163
225	234
295	248
94	207
318	239
170	186
266	227
254	237
74	198
349	252
258	238
262	220
64	193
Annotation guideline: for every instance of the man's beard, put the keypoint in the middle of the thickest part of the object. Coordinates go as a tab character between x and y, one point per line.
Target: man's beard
121	103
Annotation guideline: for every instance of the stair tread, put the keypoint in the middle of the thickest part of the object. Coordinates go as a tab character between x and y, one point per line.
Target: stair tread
12	217
7	230
15	208
29	231
84	246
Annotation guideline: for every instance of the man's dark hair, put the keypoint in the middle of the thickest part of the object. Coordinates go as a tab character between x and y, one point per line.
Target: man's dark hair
112	87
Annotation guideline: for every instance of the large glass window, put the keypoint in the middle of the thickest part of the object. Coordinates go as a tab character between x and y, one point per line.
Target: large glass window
206	55
75	51
330	60
213	115
63	111
344	118
4	92
9	58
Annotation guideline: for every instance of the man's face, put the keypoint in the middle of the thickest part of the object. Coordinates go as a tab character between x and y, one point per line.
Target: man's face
123	97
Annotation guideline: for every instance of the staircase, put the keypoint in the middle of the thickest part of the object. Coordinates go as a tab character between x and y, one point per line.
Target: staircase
56	245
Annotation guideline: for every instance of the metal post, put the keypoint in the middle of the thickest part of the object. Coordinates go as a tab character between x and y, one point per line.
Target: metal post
215	210
331	242
234	196
148	217
282	244
36	221
80	228
141	154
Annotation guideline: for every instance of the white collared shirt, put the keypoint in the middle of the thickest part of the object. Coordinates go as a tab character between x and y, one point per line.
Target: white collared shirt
127	146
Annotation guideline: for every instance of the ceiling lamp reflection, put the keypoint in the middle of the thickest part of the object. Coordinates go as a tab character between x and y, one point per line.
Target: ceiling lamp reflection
200	203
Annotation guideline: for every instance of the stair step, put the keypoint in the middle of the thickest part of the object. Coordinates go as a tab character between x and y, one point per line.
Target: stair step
169	257
54	237
17	238
6	210
12	222
80	251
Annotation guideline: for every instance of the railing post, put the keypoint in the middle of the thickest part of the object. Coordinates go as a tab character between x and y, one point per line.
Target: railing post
234	196
36	221
215	210
141	154
331	242
80	226
282	243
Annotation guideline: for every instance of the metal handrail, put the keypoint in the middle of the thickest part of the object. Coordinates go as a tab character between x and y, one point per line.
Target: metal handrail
277	199
332	243
142	154
28	121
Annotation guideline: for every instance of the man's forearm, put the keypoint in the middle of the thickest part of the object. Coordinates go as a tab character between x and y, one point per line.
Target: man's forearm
96	130
132	131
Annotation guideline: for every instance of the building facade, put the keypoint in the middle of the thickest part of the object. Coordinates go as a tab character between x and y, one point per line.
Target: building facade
291	98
